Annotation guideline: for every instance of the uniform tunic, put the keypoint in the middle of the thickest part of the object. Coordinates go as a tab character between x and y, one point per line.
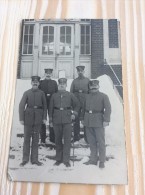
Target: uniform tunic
32	110
49	87
61	105
79	88
96	110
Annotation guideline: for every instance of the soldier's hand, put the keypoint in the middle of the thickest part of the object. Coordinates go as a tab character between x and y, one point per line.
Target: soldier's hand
72	117
105	124
22	122
51	124
44	121
82	123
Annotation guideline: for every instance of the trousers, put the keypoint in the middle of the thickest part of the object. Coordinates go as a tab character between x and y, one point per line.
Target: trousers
96	140
31	132
63	132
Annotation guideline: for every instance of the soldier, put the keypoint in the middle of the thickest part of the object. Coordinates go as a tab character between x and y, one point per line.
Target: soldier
96	111
49	87
61	116
32	112
79	88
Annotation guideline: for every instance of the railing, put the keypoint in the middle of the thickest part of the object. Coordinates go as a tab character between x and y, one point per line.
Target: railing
105	63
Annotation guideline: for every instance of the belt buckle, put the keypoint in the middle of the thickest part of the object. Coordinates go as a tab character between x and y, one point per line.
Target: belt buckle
80	91
48	94
61	108
90	111
35	106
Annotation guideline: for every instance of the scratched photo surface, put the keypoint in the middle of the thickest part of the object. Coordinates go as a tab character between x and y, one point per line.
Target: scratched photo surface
73	134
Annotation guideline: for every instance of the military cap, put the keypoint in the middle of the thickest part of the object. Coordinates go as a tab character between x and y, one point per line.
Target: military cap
35	78
62	80
93	83
80	68
48	70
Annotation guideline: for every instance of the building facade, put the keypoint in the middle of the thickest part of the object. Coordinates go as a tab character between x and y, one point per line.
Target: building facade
65	44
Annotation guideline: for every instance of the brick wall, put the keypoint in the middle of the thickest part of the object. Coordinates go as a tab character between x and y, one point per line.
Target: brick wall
97	48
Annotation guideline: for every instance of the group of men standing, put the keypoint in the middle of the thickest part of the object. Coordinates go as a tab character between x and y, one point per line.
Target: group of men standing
84	103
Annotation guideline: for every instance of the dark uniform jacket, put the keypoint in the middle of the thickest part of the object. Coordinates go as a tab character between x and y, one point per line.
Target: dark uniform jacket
33	107
61	105
96	110
49	87
79	88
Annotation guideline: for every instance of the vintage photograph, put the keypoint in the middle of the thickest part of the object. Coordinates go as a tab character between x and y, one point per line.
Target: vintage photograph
68	120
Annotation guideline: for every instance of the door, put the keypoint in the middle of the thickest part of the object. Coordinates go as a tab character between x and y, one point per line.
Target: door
57	49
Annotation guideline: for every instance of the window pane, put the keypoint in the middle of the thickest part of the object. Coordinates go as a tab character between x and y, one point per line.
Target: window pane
31	29
51	38
45	38
26	29
50	48
25	49
82	39
87	39
87	49
44	50
82	30
62	30
113	33
68	30
25	39
45	30
62	39
30	49
68	39
82	49
31	39
51	30
88	30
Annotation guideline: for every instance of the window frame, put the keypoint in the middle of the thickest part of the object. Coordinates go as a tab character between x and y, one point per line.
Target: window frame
28	54
85	24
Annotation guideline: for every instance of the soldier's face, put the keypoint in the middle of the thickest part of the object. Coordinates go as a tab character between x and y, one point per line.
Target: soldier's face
80	72
48	75
62	86
35	84
94	89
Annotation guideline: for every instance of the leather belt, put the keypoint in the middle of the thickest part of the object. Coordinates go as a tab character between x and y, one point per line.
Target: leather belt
92	111
65	108
35	107
80	91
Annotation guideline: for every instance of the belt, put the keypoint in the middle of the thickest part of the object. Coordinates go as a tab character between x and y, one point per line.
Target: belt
35	107
92	111
65	108
80	91
48	94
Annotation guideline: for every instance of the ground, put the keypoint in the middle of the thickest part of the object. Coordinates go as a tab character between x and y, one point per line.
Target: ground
115	171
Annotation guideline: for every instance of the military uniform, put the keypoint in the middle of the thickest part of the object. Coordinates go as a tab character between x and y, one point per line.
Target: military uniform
32	110
79	88
97	109
61	105
49	87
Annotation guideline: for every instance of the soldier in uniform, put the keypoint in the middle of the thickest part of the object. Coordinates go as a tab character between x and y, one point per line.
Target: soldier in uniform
60	112
79	88
49	87
32	112
97	111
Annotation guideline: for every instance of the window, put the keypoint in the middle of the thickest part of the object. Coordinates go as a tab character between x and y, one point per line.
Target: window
85	20
85	39
48	40
65	40
113	33
28	39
